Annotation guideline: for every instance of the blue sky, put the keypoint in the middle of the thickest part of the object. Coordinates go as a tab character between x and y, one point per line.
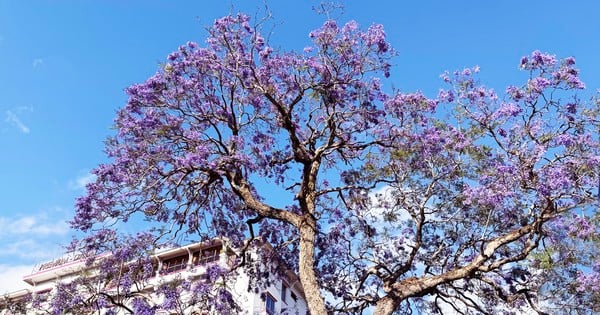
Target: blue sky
64	65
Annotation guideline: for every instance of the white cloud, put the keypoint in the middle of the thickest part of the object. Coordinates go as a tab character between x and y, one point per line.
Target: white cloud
80	182
383	203
21	109
30	239
14	120
12	277
37	62
31	250
33	225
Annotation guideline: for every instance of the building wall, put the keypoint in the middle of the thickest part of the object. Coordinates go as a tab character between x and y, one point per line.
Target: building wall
181	263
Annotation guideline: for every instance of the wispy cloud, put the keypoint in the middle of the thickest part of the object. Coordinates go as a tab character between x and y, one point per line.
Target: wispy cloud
33	225
383	204
28	240
21	109
32	250
14	120
80	182
37	62
34	238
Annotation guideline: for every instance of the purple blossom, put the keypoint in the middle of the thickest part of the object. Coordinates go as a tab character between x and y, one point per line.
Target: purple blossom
446	96
538	84
515	93
564	139
582	228
524	61
507	110
502	132
376	36
237	131
589	281
141	307
539	59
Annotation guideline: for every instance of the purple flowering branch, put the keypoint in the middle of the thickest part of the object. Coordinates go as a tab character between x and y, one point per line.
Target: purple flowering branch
373	198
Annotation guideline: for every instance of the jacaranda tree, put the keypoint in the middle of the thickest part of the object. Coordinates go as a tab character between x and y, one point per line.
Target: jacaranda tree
472	201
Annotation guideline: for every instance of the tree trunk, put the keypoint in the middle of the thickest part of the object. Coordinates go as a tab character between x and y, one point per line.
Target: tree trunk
386	305
316	303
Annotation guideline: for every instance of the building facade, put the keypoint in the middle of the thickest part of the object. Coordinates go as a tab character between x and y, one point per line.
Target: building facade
261	289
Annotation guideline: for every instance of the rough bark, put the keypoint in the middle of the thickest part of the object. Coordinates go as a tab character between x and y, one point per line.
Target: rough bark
386	305
316	303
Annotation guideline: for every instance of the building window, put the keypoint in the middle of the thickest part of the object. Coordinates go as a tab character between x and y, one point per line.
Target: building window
283	292
207	255
175	264
270	304
294	297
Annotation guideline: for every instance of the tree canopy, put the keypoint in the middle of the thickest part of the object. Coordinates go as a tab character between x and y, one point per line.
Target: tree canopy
472	200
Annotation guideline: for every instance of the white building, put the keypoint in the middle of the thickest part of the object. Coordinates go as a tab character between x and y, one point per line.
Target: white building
282	295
